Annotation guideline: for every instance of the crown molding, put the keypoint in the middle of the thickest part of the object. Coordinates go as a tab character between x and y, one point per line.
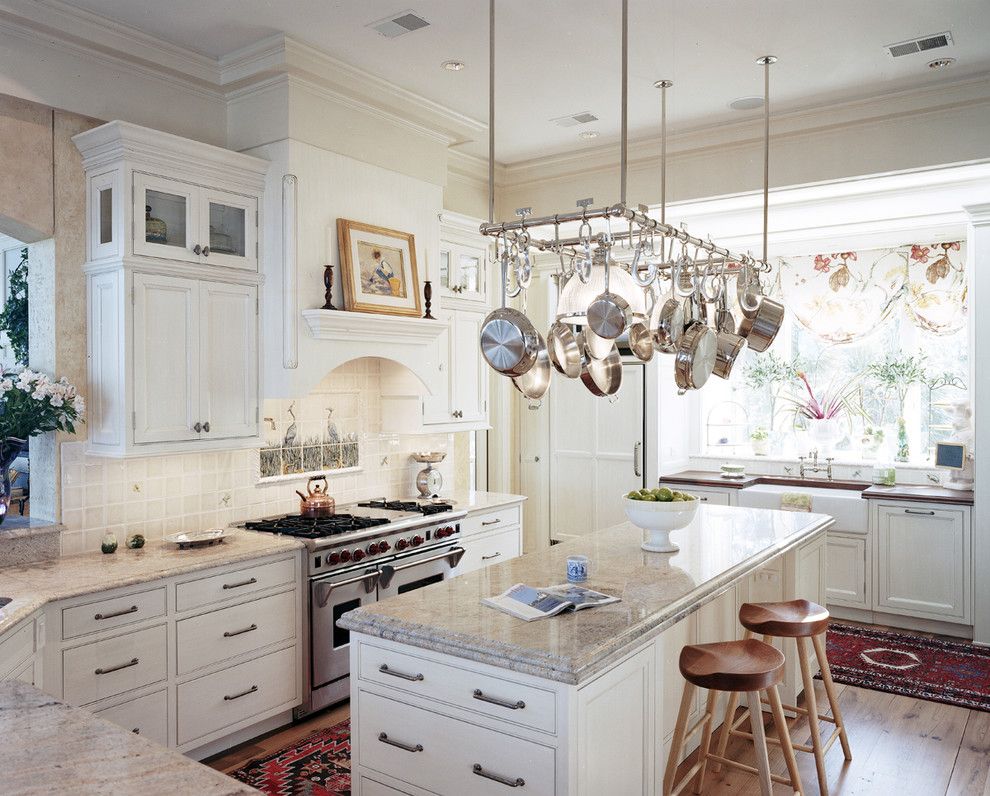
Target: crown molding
644	152
280	54
96	38
472	170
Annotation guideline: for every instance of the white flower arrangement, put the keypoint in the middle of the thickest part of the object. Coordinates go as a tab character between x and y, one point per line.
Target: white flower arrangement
33	403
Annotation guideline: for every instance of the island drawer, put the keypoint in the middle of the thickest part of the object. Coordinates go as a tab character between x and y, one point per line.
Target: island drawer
228	697
509	701
80	620
146	716
490	549
490	520
228	632
448	756
230	585
16	648
112	666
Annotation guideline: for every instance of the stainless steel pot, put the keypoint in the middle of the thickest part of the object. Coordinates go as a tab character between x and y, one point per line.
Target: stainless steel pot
601	376
695	357
667	324
762	328
608	314
640	338
597	347
728	347
535	382
509	341
565	356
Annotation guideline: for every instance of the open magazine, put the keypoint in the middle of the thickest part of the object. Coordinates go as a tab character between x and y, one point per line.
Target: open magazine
529	603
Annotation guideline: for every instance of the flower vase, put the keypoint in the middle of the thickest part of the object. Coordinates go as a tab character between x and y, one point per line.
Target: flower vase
903	449
10	449
825	433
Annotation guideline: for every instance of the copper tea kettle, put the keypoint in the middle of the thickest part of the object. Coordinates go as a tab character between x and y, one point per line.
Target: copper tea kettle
318	502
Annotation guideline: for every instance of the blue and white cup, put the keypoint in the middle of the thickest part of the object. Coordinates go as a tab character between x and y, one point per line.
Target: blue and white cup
577	568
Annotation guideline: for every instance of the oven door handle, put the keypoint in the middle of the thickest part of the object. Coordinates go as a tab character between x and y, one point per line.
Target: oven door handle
387	572
326	589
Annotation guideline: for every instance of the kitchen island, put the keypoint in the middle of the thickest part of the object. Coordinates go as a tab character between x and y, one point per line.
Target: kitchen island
449	696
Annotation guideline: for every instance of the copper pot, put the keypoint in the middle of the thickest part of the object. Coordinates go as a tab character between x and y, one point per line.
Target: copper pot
318	502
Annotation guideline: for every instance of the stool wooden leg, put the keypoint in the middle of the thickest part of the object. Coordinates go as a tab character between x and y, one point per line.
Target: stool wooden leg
706	740
759	742
833	700
725	732
677	742
811	703
785	739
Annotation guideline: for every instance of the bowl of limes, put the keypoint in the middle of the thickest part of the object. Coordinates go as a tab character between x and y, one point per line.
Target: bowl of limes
658	512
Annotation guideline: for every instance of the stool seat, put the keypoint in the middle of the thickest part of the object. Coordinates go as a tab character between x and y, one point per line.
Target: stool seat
792	619
747	665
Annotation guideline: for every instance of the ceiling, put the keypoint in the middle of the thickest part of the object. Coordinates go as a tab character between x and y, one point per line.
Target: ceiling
559	57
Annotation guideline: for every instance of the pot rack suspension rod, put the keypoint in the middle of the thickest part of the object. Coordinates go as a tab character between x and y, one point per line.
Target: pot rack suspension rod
663	85
624	135
766	61
491	111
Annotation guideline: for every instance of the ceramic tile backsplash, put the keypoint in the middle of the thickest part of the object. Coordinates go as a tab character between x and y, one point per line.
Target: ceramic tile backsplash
158	495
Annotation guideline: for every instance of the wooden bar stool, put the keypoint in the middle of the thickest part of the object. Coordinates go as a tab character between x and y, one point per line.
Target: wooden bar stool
749	667
799	620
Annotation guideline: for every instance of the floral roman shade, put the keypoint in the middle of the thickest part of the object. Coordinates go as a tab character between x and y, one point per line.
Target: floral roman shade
842	297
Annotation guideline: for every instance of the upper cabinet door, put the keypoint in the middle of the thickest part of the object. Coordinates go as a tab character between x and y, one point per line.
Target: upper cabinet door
229	229
166	218
229	356
462	270
468	375
166	359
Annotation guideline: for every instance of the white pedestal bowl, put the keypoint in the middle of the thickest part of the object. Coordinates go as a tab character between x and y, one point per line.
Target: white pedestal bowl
659	519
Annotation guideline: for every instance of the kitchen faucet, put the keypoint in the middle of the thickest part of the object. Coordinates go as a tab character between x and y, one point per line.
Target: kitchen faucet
814	467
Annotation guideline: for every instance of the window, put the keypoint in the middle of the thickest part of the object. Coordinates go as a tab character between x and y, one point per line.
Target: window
881	332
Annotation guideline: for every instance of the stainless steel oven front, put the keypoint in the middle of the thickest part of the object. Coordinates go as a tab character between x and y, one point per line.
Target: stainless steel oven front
417	570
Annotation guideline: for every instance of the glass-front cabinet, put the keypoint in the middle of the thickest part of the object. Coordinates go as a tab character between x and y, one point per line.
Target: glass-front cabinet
463	262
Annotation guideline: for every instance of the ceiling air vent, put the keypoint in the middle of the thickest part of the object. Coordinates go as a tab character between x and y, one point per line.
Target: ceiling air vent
585	117
923	44
399	24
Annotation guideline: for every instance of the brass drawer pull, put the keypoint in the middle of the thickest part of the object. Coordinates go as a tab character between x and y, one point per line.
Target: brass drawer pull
922	513
502	703
413	677
491	522
518	782
404	746
118	667
232	697
247	582
232	633
132	610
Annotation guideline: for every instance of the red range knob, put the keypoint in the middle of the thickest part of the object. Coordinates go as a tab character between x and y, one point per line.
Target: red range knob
402	544
384	547
333	558
345	556
417	541
372	549
439	533
448	531
358	554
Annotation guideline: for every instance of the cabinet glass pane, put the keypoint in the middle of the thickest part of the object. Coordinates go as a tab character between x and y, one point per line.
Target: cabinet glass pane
106	215
445	269
227	225
164	218
470	268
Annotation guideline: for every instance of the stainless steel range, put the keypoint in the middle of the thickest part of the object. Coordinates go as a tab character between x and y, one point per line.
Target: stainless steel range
365	552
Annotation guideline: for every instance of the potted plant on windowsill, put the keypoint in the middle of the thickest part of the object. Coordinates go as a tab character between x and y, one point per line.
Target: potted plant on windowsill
760	440
823	414
895	375
31	403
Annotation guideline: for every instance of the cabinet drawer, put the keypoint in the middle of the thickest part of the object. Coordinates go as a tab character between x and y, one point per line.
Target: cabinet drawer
371	788
488	550
114	665
490	520
225	698
509	701
146	716
16	648
229	585
443	755
80	620
219	635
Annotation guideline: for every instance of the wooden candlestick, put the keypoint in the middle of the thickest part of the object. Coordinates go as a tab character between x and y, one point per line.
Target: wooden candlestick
428	295
328	282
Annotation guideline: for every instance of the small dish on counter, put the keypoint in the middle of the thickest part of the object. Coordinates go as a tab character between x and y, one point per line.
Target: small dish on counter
733	470
187	539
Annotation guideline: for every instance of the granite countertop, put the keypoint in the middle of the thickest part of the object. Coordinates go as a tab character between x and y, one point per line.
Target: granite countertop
483	501
721	545
50	747
33	585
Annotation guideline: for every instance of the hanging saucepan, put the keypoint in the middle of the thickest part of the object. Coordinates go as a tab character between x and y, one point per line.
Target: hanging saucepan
762	328
640	338
562	346
667	319
608	314
509	341
601	376
597	347
728	347
695	357
535	382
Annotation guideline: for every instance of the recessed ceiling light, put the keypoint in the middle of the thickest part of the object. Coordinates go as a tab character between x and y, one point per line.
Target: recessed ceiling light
453	66
941	63
746	103
588	134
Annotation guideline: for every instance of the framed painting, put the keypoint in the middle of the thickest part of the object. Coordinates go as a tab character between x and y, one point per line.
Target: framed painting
378	269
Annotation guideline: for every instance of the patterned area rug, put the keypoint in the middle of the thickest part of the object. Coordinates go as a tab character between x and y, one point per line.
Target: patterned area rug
318	765
934	669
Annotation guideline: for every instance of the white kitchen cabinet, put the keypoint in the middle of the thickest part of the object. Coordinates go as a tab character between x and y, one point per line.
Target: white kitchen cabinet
173	314
463	261
490	537
923	561
461	400
706	494
848	570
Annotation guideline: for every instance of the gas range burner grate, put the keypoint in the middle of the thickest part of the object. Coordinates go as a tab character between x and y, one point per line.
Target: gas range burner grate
407	505
315	527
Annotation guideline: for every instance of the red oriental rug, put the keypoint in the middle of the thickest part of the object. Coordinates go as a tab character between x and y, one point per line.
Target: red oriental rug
934	669
318	765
